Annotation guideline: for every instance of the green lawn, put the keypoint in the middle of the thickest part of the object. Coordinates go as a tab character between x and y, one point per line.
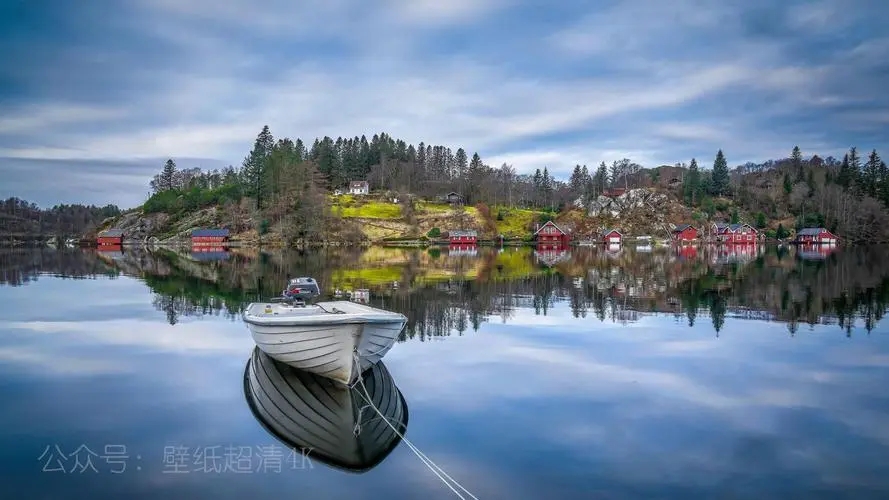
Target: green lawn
516	222
366	210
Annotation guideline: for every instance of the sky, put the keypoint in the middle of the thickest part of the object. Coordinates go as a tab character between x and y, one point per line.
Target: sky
95	96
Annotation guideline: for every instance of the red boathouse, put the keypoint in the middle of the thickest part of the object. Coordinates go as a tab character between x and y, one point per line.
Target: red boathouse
462	237
209	237
685	232
815	235
110	237
612	236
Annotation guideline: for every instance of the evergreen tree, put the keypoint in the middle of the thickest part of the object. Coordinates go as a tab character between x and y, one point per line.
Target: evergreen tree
720	175
844	178
735	218
547	184
576	181
884	183
692	184
796	159
461	163
872	174
254	166
601	178
856	178
168	176
614	173
788	184
781	232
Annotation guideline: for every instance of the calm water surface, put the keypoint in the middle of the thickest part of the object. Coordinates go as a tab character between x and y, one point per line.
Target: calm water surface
586	373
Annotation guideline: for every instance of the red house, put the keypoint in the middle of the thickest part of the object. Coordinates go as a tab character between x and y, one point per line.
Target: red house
612	236
462	237
735	233
685	232
815	235
209	237
110	237
550	233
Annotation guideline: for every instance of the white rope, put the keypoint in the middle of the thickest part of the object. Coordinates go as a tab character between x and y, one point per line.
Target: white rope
438	471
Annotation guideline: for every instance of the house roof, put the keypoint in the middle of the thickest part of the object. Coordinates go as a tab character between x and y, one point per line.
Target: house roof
200	233
111	233
609	231
550	223
683	227
454	193
462	232
358	184
812	231
721	225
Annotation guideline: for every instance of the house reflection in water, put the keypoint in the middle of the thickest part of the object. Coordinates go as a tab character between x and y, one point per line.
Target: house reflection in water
458	250
209	254
814	251
550	255
734	253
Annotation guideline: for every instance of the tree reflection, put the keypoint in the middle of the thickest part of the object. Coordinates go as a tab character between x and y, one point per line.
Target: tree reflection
444	294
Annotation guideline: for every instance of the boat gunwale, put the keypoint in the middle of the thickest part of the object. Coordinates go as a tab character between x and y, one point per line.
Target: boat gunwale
283	321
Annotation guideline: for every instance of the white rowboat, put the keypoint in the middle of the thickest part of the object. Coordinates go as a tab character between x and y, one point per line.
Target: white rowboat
337	340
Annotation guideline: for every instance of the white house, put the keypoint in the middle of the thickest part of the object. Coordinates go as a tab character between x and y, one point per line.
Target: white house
359	187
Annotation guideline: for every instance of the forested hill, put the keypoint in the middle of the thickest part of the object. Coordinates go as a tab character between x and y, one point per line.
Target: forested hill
21	220
284	183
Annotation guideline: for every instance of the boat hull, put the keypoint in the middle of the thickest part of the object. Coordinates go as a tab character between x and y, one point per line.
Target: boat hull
338	349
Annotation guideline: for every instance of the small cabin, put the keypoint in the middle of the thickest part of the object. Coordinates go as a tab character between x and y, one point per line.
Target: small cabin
612	236
110	237
463	237
453	198
551	233
685	232
359	187
815	235
209	237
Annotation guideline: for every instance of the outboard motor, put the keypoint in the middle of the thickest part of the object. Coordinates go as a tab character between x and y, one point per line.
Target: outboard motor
301	290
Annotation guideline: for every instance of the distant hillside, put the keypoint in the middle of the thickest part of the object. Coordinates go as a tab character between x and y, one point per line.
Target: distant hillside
24	221
285	192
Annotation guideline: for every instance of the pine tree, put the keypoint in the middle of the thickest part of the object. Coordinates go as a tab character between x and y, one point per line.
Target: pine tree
796	159
692	184
576	181
720	175
871	174
781	232
254	167
601	178
547	184
856	178
461	163
788	184
168	176
844	177
735	218
614	173
884	183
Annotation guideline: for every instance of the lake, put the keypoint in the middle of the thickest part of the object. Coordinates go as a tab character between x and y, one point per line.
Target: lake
710	372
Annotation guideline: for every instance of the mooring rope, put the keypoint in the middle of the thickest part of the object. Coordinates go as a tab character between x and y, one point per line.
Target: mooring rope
438	471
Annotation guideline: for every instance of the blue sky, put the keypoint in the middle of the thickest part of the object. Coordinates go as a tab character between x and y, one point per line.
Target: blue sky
94	96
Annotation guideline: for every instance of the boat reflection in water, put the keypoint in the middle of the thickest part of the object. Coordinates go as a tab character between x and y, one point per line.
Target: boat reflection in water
327	422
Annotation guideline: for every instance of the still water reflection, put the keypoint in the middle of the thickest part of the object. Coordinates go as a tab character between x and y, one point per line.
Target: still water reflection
729	372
